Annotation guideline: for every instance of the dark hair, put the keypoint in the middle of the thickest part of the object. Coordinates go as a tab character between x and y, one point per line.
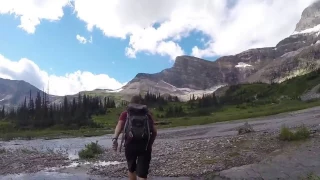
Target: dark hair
135	99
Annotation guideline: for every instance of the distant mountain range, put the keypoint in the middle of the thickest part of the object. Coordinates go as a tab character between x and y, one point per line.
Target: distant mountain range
13	92
295	55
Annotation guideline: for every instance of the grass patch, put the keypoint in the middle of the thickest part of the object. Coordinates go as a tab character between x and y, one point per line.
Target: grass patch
311	176
52	133
209	161
109	121
90	151
227	113
234	154
230	113
287	135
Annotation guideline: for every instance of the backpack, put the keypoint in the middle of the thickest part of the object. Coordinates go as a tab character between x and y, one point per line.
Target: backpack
137	128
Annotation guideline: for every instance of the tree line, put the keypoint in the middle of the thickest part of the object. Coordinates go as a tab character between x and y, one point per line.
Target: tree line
207	100
152	99
40	113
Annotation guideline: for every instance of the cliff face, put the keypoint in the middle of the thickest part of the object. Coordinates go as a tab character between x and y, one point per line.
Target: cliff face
310	17
295	55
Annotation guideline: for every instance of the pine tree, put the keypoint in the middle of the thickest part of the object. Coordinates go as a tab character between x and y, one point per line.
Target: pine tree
2	114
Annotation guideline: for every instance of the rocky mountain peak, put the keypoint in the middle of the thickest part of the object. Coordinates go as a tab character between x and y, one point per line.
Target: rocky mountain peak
310	17
186	62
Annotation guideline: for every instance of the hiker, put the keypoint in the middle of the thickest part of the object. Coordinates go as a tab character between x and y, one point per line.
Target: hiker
139	131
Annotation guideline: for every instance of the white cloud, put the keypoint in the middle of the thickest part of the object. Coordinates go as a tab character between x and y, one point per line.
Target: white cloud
31	12
230	26
248	24
83	40
71	83
252	24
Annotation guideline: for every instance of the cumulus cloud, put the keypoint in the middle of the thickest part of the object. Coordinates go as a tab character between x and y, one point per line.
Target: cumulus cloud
71	83
31	12
83	40
156	27
232	26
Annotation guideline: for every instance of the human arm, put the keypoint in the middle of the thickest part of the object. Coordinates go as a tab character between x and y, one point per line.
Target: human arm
154	134
154	131
118	130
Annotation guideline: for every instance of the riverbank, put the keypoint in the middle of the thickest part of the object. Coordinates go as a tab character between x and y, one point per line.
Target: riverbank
196	158
193	158
197	151
29	161
53	134
109	121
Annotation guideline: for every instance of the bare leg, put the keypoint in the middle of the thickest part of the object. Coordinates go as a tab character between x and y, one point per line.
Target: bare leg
132	176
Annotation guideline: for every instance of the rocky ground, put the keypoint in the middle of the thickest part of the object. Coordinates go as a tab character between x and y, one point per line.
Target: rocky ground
28	161
214	150
172	157
197	157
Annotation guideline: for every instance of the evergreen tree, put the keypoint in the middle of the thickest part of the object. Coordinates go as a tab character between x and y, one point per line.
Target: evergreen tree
2	114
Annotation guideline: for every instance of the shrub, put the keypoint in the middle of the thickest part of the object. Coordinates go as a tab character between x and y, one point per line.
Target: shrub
311	176
287	135
90	151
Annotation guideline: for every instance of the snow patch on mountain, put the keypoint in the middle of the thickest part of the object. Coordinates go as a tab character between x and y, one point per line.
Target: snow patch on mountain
310	30
198	93
168	84
115	90
242	65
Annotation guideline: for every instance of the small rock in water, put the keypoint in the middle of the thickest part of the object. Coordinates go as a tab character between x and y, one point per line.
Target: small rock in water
246	128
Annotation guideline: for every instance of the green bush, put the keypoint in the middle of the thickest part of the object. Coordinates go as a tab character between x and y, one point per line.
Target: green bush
90	151
6	126
287	135
311	176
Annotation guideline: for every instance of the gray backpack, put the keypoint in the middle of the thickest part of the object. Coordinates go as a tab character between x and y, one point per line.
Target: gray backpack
137	128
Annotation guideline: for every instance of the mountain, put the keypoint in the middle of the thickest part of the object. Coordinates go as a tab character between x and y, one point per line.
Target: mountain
295	55
13	92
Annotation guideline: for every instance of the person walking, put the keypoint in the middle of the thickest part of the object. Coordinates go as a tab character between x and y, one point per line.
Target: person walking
139	134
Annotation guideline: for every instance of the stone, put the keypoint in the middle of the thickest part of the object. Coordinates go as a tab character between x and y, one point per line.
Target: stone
246	128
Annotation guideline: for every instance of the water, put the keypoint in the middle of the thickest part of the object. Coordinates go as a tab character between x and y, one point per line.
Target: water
49	176
69	146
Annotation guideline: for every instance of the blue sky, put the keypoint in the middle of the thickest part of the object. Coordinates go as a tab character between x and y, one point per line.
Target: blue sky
55	49
124	41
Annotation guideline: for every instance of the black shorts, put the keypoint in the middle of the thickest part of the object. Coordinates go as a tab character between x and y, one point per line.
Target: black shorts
138	159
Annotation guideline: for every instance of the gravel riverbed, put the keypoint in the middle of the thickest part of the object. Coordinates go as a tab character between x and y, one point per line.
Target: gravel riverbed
192	158
29	161
181	152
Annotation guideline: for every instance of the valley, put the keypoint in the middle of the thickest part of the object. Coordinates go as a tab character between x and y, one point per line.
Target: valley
205	151
252	115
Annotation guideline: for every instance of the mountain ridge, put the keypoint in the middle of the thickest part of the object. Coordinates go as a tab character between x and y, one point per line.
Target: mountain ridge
292	56
13	92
